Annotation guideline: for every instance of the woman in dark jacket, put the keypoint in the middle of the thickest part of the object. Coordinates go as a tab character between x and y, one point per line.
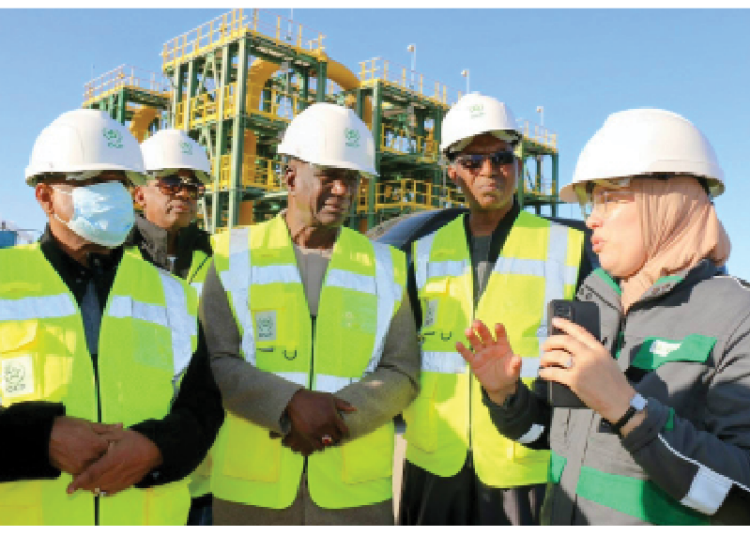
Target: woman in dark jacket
663	436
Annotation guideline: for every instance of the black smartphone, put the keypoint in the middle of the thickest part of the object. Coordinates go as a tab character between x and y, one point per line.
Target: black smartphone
586	315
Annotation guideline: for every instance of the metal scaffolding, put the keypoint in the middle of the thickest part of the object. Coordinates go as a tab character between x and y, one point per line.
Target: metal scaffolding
234	84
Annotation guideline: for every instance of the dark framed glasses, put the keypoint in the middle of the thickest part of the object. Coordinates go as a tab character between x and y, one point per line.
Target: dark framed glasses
173	184
475	161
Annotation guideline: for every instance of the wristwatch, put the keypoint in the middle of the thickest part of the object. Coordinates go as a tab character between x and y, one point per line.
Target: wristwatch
637	403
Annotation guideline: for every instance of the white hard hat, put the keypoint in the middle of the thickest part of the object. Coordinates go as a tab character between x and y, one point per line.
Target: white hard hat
330	135
643	142
476	114
85	141
174	149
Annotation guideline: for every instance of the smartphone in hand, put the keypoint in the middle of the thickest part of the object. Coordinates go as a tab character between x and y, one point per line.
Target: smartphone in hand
586	315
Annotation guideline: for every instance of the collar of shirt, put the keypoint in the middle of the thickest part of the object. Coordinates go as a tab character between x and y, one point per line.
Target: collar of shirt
499	235
152	241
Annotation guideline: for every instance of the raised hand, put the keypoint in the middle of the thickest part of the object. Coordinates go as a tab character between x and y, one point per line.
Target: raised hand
492	360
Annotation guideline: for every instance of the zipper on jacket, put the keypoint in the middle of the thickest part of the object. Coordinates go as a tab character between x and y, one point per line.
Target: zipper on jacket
310	378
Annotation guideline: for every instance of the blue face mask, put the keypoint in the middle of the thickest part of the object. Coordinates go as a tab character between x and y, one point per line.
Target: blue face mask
102	213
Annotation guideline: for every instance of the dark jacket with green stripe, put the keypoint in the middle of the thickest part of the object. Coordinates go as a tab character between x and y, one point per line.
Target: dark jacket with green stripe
685	346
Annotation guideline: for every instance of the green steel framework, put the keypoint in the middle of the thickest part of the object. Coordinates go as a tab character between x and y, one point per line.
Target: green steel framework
393	108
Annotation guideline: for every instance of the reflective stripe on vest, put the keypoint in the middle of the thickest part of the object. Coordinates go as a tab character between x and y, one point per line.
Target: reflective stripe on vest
554	271
538	262
173	316
388	296
37	308
361	292
136	364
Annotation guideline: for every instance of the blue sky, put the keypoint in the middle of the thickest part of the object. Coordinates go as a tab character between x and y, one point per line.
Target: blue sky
580	64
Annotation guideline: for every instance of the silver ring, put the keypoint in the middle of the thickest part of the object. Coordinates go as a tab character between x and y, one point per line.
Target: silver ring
102	494
326	440
569	364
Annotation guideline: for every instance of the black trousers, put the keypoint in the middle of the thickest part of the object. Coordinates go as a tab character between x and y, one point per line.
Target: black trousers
462	499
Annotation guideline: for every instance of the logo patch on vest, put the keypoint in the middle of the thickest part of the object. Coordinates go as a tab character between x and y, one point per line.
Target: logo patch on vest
265	325
17	376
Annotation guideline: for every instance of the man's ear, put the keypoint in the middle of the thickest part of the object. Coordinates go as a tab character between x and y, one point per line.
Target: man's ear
43	194
452	175
290	178
139	197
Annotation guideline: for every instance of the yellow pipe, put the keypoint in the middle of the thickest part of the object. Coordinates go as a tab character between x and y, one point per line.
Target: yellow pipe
142	118
261	70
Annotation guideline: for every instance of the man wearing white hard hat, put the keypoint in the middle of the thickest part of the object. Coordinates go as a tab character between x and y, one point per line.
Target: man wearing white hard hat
167	235
108	402
312	343
662	433
498	264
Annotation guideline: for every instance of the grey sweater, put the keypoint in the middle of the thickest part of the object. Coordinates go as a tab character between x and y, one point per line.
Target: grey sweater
684	346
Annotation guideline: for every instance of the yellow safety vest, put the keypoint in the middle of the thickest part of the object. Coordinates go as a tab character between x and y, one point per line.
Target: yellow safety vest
539	262
147	337
361	293
200	479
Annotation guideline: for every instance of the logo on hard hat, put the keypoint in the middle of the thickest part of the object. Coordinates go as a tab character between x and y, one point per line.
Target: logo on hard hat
476	110
352	137
113	137
186	148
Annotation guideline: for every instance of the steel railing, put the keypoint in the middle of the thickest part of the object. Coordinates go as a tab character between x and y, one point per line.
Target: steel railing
537	133
404	141
232	25
125	76
411	194
405	78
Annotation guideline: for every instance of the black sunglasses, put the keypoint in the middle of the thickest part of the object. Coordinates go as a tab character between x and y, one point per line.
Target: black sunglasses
172	184
475	161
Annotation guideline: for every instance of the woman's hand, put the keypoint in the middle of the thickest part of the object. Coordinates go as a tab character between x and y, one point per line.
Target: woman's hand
492	361
579	361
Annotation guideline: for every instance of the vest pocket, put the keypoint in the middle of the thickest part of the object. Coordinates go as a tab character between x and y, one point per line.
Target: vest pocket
369	457
166	505
421	416
21	503
251	454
